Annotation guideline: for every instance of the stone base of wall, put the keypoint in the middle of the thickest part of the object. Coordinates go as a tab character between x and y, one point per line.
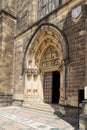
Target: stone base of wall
72	111
6	99
31	99
83	116
17	103
83	121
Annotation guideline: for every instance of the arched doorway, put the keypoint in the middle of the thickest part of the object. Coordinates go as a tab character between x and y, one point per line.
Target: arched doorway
46	58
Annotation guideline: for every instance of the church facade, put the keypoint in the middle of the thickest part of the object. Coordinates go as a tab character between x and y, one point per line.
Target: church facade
43	51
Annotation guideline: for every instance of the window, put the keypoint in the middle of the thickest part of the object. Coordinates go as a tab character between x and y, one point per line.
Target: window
46	6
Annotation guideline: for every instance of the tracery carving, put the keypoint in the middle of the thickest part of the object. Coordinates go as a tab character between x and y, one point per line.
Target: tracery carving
50	58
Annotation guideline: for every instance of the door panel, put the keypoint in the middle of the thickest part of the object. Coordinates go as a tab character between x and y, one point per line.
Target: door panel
47	89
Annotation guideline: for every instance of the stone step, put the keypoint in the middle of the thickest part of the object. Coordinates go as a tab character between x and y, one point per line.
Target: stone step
40	111
49	108
44	105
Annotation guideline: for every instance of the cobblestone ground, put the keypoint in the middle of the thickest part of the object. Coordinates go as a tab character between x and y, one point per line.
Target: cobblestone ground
19	118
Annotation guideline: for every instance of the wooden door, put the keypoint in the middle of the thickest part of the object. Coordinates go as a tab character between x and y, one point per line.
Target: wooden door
47	87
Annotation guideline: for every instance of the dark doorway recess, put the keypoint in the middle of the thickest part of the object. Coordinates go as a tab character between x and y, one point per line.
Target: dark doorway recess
55	87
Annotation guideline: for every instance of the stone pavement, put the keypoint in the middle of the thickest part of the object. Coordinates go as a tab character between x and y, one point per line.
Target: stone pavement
19	118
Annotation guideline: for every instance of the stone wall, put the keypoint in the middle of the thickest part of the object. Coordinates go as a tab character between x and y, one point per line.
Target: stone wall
9	6
7	52
0	5
75	33
7	33
26	14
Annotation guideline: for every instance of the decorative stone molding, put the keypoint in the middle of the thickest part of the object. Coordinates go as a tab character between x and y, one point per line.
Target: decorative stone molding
31	71
28	71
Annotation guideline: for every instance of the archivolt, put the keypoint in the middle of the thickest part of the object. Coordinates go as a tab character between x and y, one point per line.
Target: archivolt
44	33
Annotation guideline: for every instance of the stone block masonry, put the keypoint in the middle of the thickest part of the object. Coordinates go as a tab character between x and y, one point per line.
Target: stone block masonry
7	33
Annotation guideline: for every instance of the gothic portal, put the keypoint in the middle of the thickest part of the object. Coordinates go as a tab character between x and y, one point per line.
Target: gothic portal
45	66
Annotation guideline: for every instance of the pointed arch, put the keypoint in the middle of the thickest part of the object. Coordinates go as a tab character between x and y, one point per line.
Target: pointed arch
40	35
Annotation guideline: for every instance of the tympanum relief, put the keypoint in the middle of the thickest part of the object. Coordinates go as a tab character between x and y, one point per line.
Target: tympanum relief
50	58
